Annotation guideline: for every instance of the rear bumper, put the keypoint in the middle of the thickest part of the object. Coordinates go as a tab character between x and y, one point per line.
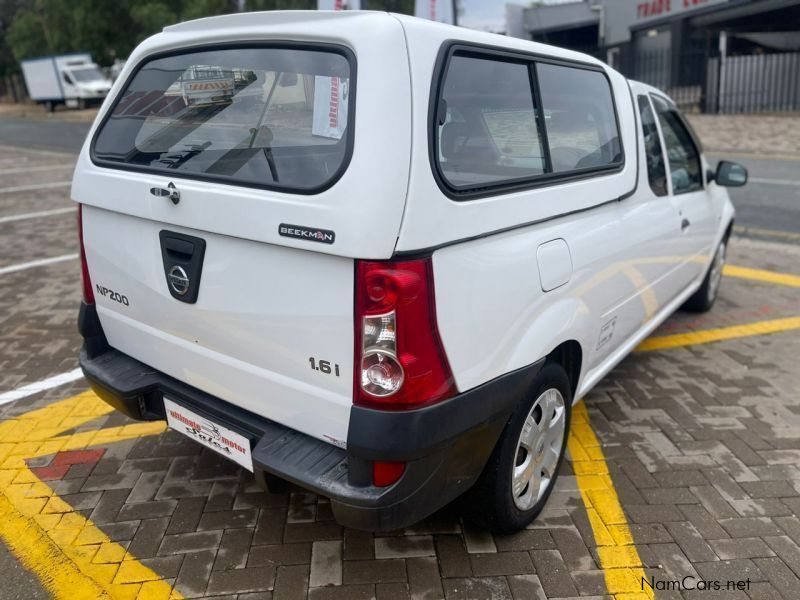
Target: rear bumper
444	446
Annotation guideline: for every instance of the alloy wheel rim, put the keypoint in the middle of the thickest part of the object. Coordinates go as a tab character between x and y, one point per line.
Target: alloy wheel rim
538	449
716	271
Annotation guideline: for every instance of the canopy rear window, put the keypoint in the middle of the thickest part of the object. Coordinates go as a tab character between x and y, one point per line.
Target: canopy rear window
272	117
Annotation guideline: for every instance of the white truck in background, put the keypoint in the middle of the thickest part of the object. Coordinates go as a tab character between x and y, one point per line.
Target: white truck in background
70	79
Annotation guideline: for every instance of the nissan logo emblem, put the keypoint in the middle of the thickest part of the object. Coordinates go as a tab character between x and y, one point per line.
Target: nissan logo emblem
178	280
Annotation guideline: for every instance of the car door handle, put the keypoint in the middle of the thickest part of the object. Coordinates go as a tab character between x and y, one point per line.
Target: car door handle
685	224
170	192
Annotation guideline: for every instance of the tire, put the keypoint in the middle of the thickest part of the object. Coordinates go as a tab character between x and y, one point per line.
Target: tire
494	502
50	106
705	296
82	104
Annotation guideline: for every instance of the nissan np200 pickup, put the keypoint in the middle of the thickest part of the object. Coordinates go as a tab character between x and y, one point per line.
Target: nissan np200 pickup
381	257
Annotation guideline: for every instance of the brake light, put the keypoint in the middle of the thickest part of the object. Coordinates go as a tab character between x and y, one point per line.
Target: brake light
88	293
400	362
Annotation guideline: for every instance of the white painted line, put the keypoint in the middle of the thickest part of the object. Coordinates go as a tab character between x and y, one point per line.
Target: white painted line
36	168
35	186
40	386
37	263
36	215
35	151
790	182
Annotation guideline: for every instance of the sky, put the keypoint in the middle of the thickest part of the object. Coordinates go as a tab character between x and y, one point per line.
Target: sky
483	13
491	14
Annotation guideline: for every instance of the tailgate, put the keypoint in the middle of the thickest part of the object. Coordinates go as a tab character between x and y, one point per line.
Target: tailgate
262	312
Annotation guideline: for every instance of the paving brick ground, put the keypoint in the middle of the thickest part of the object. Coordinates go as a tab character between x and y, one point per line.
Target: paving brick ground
702	445
762	134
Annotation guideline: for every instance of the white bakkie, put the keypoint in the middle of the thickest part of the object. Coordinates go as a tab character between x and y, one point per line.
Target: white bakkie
381	257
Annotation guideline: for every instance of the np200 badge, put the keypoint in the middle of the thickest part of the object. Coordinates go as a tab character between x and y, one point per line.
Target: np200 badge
112	295
312	234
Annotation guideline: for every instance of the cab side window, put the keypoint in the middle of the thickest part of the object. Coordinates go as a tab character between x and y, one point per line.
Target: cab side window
684	158
487	127
579	116
505	121
656	170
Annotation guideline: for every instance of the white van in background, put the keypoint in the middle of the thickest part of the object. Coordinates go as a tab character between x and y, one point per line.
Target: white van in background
71	79
385	261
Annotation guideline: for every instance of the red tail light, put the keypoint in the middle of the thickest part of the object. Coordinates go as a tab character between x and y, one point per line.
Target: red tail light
88	293
400	362
386	473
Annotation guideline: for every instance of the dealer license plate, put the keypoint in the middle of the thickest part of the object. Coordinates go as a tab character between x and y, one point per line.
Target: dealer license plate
211	435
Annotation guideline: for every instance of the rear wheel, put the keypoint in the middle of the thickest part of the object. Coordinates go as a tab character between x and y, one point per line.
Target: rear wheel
703	299
523	467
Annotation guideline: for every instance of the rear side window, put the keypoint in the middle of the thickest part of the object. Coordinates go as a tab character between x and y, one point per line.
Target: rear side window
684	158
508	122
271	117
656	170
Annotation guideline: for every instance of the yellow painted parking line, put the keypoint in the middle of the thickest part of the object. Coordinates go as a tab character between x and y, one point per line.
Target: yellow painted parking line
706	336
619	559
72	557
36	550
762	275
622	567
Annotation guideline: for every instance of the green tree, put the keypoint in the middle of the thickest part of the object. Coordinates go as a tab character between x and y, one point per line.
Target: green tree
58	26
25	36
405	7
8	9
110	29
150	17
